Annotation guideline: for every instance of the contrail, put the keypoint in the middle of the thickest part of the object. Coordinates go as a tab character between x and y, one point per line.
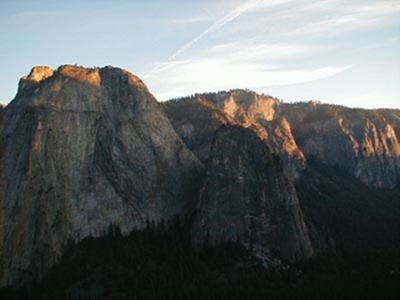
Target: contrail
214	27
217	25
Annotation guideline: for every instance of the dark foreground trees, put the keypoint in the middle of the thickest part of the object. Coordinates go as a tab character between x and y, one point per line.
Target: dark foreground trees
160	262
355	231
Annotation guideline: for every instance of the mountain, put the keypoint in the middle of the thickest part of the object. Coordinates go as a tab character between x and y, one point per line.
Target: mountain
362	142
365	143
247	197
344	162
89	151
242	108
83	148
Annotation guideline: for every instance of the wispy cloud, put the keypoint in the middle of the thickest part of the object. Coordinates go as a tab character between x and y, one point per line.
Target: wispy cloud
185	21
216	25
273	43
211	75
259	52
35	15
234	14
349	17
237	65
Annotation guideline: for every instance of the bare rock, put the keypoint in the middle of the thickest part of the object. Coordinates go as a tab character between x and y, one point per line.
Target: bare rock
247	197
259	113
83	148
362	142
36	75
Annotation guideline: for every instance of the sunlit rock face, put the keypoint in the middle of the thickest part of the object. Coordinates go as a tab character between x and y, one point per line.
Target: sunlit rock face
36	75
197	118
364	143
247	197
82	148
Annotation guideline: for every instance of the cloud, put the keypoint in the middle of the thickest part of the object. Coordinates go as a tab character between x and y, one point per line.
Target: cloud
251	5
213	76
347	17
185	21
236	66
35	15
273	43
216	25
259	52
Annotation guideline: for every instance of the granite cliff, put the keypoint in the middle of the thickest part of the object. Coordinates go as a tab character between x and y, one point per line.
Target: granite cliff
323	148
247	197
364	143
83	148
247	109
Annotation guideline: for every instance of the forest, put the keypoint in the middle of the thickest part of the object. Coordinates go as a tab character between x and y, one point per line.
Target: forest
359	259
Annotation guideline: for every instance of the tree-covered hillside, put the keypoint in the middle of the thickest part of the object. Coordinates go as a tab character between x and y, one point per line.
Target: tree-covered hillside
160	262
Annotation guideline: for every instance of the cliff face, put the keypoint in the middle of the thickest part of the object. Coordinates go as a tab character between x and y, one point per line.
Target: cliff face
364	143
260	114
247	197
83	148
246	109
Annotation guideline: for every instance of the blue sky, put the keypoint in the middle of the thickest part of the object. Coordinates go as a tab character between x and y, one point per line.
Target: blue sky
335	51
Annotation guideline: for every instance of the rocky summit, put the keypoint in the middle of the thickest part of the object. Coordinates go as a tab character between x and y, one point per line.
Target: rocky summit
259	113
83	148
87	149
362	142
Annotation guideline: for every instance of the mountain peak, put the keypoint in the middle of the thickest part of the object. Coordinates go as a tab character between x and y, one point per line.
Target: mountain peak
93	76
40	73
91	147
36	75
87	75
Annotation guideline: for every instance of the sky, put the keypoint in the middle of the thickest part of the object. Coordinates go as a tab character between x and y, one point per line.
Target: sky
333	51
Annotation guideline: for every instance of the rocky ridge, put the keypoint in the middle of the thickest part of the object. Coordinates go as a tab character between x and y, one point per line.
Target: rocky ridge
83	148
243	108
365	143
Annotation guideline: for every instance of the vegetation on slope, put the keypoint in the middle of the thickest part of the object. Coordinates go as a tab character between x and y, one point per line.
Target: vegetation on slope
160	262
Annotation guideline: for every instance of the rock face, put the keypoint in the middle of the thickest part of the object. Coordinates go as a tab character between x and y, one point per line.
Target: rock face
364	143
247	197
83	148
258	113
